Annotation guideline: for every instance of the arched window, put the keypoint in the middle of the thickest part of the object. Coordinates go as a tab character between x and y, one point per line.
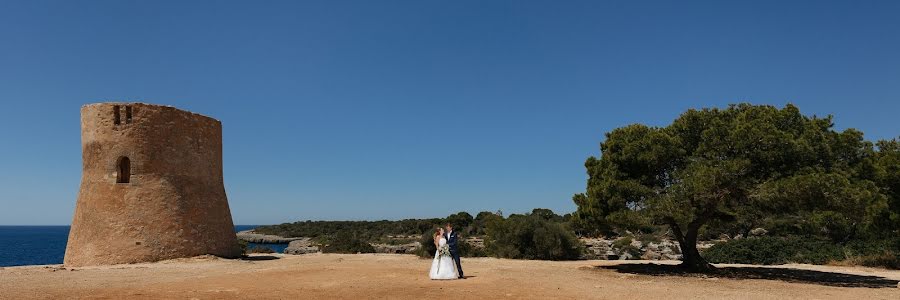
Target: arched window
124	170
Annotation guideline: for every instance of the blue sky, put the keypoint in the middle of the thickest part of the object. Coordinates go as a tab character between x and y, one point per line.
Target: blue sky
397	109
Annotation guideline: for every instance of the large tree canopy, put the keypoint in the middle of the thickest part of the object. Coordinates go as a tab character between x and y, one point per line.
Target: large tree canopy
728	166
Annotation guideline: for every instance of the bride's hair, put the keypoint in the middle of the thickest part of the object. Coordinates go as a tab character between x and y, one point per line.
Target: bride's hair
437	232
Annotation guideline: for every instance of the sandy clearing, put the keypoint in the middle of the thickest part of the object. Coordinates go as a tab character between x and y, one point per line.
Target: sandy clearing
385	276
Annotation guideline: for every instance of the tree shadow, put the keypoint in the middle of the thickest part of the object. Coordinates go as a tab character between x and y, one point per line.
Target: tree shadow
783	274
259	257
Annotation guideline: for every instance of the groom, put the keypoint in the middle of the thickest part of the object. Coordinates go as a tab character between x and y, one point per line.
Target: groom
452	239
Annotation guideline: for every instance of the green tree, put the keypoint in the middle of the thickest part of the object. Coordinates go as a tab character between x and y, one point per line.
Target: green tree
461	221
887	170
482	220
546	214
721	166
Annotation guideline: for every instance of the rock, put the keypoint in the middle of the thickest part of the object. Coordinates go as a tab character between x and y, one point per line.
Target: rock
671	256
651	255
758	232
253	237
301	246
637	244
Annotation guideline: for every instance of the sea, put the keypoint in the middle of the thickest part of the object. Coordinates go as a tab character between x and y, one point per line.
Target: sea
46	245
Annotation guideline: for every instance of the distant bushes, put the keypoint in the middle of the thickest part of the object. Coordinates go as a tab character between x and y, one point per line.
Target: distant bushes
346	242
531	236
776	250
366	230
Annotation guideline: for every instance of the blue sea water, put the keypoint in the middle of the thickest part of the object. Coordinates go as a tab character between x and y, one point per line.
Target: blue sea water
45	245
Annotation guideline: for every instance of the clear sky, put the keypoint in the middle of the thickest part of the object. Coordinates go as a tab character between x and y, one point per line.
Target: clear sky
398	109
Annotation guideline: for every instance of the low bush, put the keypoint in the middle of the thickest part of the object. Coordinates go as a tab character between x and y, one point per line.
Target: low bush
243	245
774	250
887	259
531	237
428	248
624	246
346	242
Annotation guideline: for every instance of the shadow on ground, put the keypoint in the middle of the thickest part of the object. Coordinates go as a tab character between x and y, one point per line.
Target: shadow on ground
783	274
259	257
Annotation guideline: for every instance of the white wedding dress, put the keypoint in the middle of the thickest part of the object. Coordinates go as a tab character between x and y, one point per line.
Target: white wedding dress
442	267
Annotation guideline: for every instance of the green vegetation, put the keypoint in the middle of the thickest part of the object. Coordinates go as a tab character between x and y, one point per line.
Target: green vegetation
365	230
243	245
785	186
774	250
347	242
532	236
729	171
624	245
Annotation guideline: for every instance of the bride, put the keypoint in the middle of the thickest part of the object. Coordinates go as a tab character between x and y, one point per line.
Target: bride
442	267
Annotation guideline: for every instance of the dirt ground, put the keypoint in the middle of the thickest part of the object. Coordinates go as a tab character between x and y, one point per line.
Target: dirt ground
385	276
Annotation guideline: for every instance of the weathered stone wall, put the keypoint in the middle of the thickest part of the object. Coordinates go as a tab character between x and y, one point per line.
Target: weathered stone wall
174	202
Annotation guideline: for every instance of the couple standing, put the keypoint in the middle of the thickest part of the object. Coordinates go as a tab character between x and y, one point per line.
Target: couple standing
446	259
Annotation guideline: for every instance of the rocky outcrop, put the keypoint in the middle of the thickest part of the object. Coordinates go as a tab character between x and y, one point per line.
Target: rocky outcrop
253	237
301	246
601	248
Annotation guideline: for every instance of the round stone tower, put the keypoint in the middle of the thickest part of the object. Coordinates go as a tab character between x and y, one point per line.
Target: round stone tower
151	187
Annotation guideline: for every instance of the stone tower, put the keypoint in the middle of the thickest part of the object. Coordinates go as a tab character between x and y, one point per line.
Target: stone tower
151	187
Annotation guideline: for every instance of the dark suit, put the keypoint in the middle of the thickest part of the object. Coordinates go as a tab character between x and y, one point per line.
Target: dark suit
452	243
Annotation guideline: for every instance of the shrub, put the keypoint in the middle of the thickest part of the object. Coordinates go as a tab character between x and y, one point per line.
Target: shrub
243	245
531	237
346	242
624	246
468	250
773	250
887	259
427	249
883	253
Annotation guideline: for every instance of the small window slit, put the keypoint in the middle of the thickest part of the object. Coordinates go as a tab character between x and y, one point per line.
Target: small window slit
117	115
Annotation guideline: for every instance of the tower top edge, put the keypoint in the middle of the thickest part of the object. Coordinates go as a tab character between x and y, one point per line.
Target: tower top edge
143	104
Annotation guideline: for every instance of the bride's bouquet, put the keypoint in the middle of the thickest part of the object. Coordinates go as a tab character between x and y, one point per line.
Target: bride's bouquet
444	250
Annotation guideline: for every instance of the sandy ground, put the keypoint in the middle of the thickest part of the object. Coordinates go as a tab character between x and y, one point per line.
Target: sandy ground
385	276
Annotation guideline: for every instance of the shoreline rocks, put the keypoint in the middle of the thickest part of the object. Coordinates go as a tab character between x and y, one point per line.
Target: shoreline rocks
301	246
253	237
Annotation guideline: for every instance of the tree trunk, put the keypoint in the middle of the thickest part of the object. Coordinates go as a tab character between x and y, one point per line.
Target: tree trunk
687	241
